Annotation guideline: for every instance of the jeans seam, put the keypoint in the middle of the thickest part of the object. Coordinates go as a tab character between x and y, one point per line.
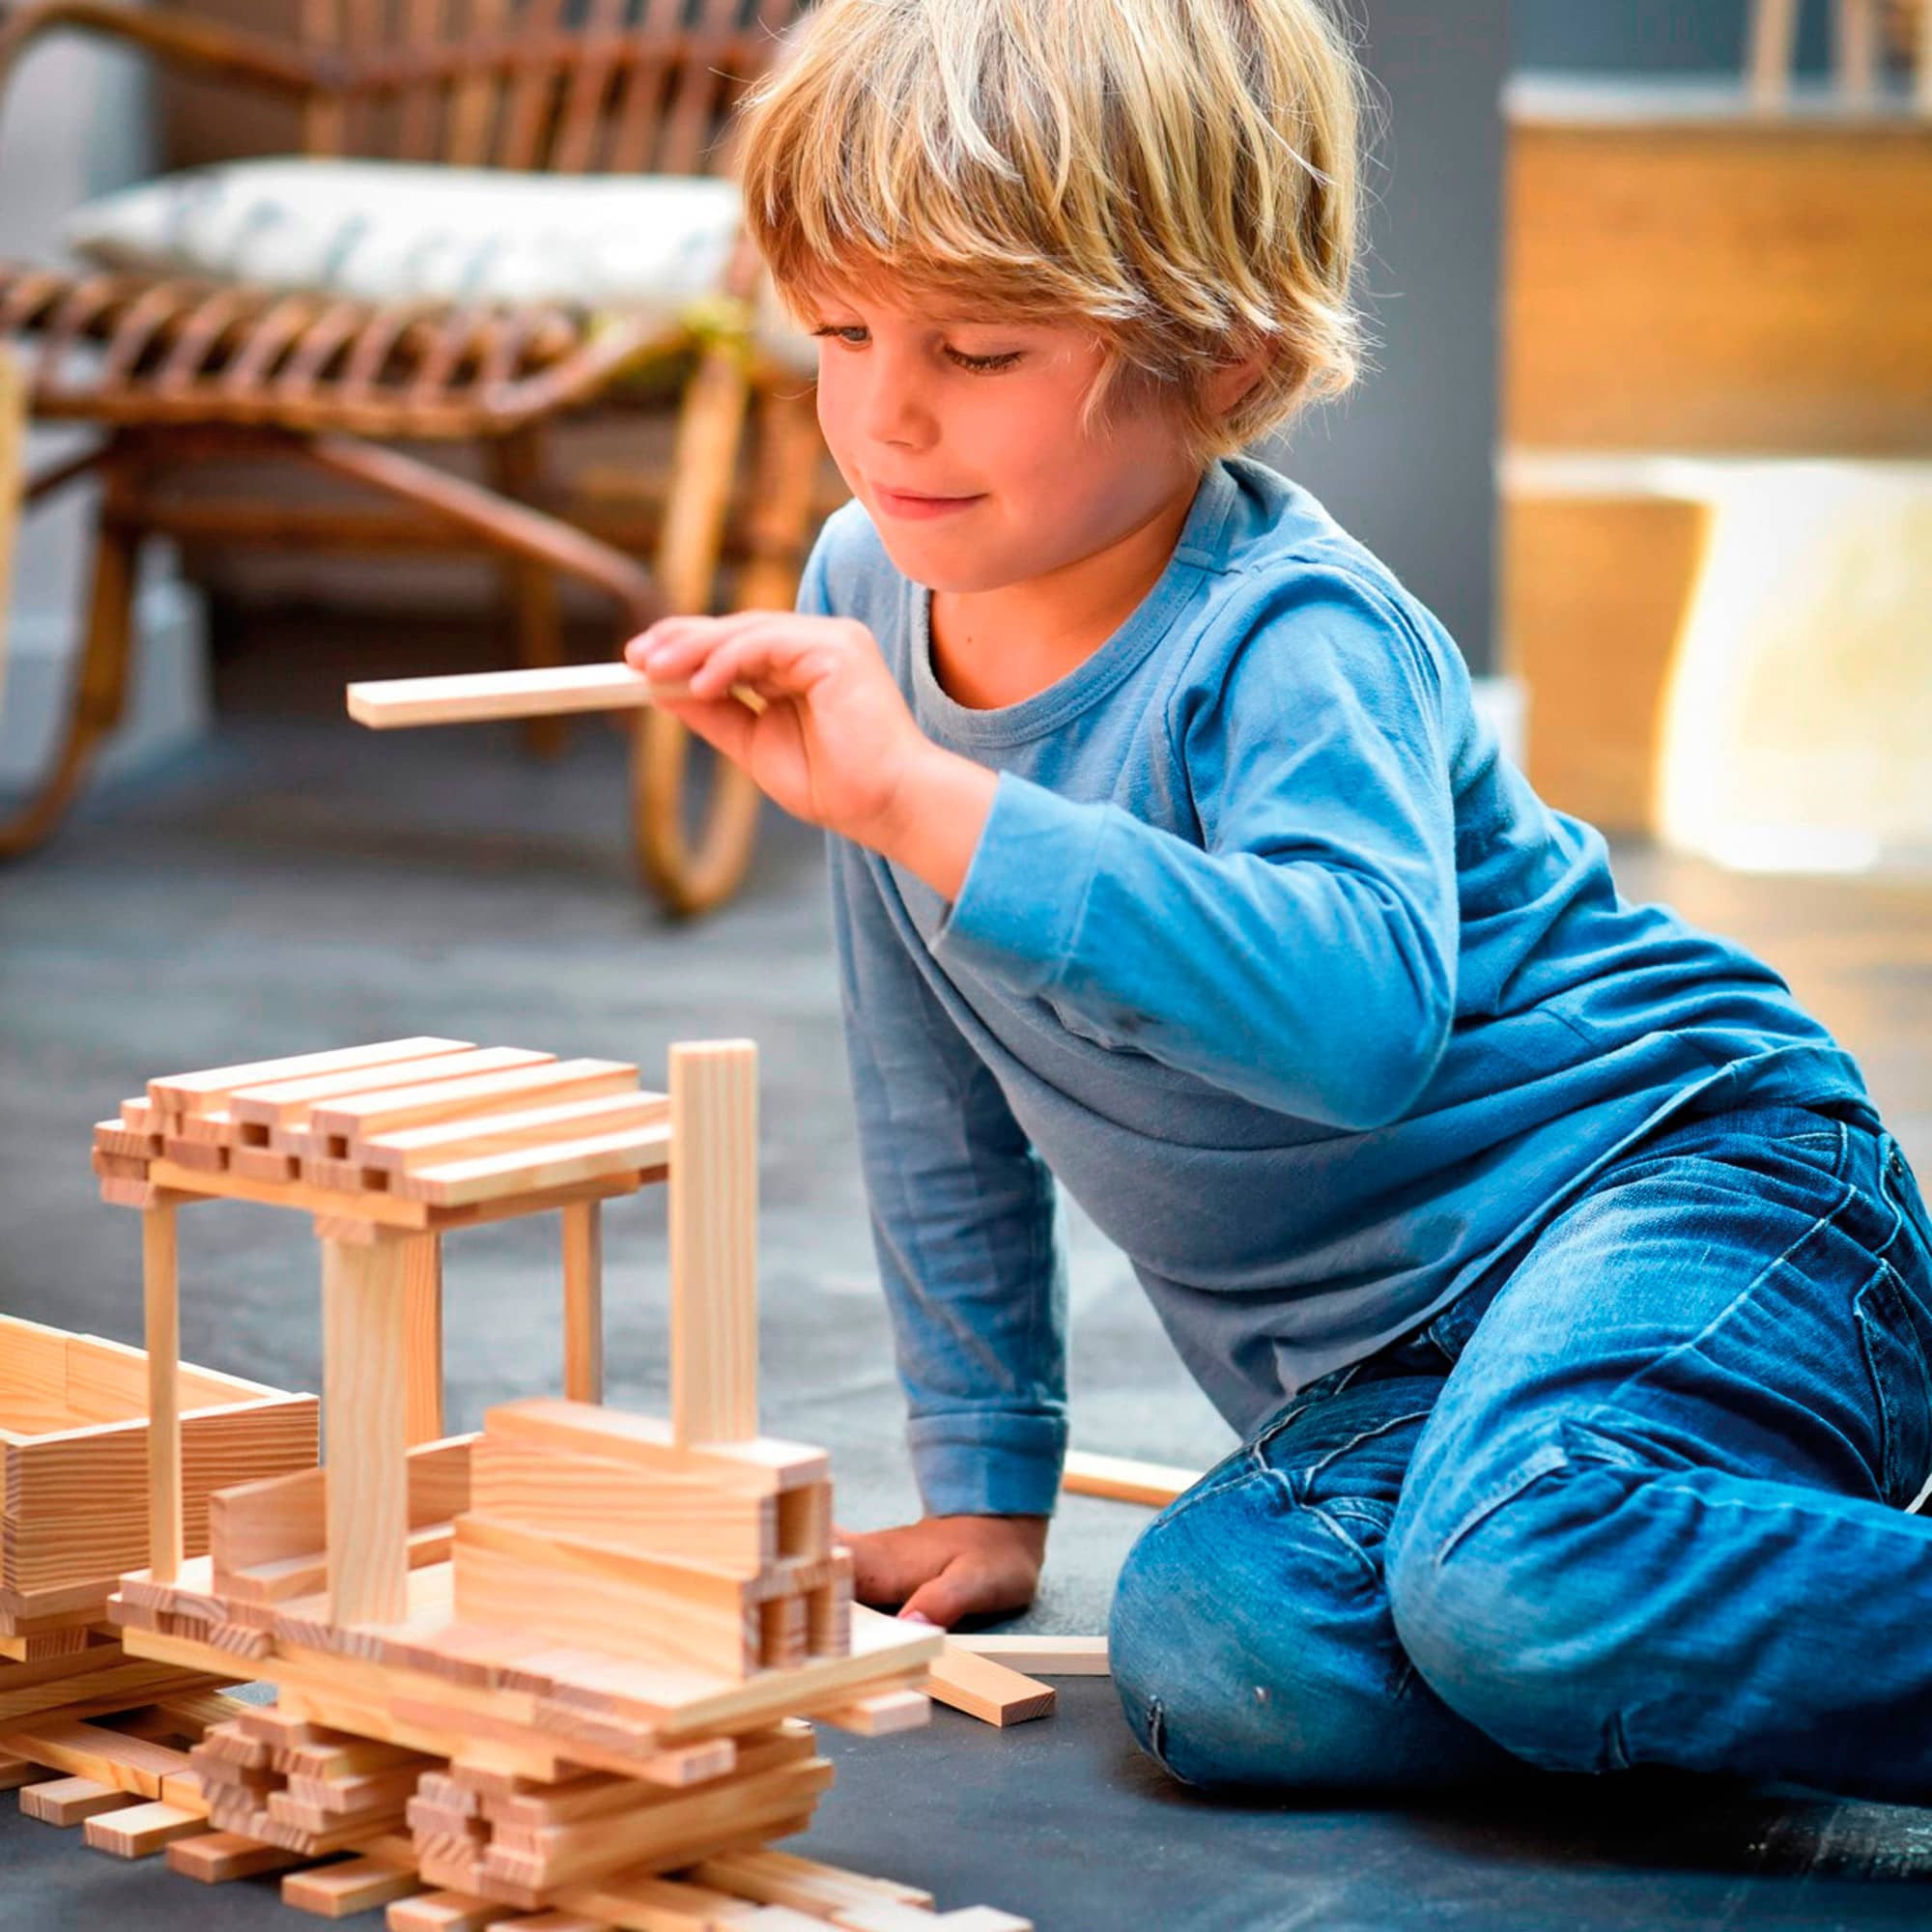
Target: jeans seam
1613	1400
1360	1436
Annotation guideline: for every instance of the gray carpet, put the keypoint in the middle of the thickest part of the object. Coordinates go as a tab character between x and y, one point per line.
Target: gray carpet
303	884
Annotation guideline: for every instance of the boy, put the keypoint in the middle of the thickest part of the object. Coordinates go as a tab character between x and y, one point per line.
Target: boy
1572	1302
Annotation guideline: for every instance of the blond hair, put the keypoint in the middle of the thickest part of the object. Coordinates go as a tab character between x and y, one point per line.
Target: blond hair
1182	174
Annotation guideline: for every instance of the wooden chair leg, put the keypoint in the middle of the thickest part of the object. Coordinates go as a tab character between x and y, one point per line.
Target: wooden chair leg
516	467
100	693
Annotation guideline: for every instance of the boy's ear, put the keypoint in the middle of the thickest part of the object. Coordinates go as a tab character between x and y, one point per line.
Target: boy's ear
1230	382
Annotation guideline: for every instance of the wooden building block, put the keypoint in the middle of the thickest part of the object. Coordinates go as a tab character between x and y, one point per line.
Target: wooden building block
583	1301
1123	1479
782	1878
69	1800
336	1891
603	1599
422	1382
536	1169
160	1302
765	1465
286	1104
365	1338
360	1116
206	1091
138	1830
885	1917
1041	1656
15	1771
881	1715
975	1685
388	704
674	1516
443	1912
128	1763
408	1149
712	1215
216	1857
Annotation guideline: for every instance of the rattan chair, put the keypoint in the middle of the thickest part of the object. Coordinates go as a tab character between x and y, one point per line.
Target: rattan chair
178	372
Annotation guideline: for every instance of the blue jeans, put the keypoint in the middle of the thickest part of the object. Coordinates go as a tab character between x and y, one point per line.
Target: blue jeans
1643	1501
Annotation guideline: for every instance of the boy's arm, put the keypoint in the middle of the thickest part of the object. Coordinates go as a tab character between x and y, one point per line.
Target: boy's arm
1304	954
963	1225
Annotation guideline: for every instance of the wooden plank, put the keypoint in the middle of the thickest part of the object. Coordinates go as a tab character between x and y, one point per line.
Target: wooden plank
784	1878
713	1214
885	1918
422	1290
257	1523
390	703
206	1091
978	1686
365	1334
107	1381
161	1311
287	1103
629	1507
134	1680
584	1302
361	1115
130	1764
15	1771
138	1830
337	1892
70	1801
409	1149
1123	1479
443	1912
1041	1656
765	1465
83	1495
882	1715
533	1170
603	1598
216	1857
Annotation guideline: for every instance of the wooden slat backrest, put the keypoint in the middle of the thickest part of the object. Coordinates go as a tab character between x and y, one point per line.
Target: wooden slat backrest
564	86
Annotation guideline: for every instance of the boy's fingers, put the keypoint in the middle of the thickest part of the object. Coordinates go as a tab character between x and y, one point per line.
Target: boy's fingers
962	1589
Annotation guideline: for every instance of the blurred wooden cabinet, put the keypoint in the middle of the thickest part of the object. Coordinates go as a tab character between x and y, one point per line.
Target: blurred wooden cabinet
1683	277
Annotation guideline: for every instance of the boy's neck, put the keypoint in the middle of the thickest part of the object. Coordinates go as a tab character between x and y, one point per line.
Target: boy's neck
992	648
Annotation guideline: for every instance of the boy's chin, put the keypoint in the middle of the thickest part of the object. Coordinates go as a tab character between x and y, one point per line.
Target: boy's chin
928	565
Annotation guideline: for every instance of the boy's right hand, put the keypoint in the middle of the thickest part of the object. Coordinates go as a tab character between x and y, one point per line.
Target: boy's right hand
947	1567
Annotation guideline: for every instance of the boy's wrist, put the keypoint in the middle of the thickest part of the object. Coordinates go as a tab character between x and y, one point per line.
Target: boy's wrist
932	822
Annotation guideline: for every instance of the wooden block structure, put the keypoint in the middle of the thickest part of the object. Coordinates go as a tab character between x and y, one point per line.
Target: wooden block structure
541	1668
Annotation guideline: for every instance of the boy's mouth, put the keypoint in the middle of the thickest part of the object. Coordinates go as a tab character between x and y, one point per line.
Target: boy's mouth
913	506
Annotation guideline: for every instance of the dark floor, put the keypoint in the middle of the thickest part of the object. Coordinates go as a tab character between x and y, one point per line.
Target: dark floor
304	883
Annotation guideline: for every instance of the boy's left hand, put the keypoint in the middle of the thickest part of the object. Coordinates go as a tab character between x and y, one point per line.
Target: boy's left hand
835	743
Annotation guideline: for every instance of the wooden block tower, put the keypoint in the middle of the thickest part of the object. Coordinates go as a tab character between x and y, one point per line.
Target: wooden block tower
548	1664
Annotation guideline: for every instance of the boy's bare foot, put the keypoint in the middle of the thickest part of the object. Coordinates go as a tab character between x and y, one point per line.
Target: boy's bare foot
944	1568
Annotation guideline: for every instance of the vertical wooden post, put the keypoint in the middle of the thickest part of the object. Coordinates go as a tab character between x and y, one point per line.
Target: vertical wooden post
422	1292
1921	59
1774	38
583	1301
1856	49
161	1309
365	1408
713	1221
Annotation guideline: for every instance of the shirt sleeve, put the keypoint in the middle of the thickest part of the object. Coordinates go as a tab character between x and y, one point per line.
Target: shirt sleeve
963	1225
1303	955
962	1211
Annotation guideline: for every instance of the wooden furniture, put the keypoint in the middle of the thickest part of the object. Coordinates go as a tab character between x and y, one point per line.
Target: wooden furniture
180	373
1686	276
1858	46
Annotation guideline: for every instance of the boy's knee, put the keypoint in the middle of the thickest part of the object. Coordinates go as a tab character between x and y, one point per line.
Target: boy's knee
1250	1645
1510	1596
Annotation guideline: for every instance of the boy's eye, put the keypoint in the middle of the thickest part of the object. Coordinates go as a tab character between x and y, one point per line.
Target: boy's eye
853	335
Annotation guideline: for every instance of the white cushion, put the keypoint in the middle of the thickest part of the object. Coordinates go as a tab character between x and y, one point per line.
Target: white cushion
384	230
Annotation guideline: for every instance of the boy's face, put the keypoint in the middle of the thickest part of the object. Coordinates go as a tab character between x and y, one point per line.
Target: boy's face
963	438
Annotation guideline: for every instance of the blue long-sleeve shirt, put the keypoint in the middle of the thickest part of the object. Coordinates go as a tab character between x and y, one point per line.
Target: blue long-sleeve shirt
1272	960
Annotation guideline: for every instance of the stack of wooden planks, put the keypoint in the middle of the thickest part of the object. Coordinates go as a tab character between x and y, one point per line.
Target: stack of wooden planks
302	1786
436	1123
